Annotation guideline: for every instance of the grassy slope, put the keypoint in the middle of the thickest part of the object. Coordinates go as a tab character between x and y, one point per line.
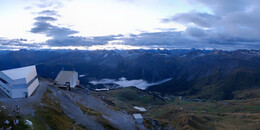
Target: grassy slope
232	114
222	88
228	114
3	117
50	114
126	98
100	119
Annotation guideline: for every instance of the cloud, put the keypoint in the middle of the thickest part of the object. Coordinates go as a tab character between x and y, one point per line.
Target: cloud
201	19
46	23
104	39
192	37
45	19
61	36
232	23
166	39
43	26
49	13
223	7
51	30
123	82
79	41
17	44
50	3
28	7
129	1
196	32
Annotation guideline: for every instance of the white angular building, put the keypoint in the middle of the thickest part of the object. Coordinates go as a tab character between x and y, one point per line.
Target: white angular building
138	118
67	76
19	82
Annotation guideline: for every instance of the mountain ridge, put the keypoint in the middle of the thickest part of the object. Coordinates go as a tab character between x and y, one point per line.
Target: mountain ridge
189	69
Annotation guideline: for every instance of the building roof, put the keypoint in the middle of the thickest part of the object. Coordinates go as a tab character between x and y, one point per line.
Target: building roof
138	116
65	76
18	73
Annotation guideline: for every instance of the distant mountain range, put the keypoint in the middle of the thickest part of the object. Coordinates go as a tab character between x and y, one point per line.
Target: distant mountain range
211	74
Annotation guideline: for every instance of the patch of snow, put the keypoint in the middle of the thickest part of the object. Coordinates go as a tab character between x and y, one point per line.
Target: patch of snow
138	116
28	122
140	108
16	122
7	122
102	89
163	54
82	75
105	55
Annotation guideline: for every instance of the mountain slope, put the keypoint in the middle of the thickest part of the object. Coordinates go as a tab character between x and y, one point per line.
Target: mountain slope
216	86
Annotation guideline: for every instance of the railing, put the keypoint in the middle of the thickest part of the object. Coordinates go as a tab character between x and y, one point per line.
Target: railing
6	88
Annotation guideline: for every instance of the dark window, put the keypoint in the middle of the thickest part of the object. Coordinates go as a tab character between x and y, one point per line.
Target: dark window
32	80
5	82
26	94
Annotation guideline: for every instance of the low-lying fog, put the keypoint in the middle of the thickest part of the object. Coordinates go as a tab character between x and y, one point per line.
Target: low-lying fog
123	82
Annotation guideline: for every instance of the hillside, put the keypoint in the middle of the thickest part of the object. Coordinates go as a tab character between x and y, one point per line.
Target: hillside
217	85
176	112
53	108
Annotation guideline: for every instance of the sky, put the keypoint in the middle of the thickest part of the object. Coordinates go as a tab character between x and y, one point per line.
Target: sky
129	24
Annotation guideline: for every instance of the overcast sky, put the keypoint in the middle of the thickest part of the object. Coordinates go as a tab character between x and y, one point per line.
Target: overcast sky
129	24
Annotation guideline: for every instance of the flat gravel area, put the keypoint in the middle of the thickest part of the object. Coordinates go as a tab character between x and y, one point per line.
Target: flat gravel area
26	104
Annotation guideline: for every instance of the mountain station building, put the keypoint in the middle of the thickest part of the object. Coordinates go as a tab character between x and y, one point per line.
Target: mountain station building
19	82
67	77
